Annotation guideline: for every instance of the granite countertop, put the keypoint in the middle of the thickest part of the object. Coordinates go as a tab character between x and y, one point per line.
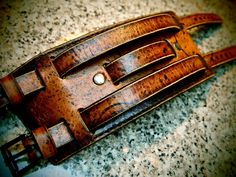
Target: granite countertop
191	135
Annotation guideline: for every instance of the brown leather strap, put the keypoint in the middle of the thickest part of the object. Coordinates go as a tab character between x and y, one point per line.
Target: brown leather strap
219	57
194	20
112	38
138	59
134	94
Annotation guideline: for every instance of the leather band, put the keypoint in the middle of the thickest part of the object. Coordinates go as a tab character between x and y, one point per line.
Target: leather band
194	20
112	38
135	60
107	109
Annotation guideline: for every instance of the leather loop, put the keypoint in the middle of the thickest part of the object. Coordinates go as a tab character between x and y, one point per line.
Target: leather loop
194	20
12	89
112	38
29	82
45	142
138	59
121	101
17	88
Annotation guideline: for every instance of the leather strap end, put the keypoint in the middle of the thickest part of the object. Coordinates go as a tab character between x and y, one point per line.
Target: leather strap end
219	57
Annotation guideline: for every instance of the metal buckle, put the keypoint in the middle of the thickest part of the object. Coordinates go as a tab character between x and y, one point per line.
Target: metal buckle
20	154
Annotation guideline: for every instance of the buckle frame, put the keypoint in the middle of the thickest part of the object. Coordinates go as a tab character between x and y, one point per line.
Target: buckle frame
20	154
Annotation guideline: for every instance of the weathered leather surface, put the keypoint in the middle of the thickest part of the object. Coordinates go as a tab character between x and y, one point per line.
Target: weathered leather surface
145	61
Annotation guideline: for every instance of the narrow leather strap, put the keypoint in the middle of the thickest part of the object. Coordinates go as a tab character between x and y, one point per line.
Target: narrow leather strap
194	20
112	38
219	57
138	59
137	92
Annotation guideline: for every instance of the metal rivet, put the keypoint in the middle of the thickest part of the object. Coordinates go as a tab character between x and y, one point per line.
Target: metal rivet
99	79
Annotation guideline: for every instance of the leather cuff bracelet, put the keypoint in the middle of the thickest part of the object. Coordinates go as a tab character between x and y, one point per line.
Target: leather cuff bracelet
77	93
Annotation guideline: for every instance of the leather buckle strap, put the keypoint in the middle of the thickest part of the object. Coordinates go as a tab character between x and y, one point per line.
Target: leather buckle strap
126	32
217	58
23	152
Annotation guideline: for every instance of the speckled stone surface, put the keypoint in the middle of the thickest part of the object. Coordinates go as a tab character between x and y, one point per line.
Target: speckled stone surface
191	135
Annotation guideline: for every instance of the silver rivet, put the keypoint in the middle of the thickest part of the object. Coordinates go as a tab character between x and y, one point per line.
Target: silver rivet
99	79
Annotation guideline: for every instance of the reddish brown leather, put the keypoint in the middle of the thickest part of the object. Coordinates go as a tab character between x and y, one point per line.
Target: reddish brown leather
62	98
